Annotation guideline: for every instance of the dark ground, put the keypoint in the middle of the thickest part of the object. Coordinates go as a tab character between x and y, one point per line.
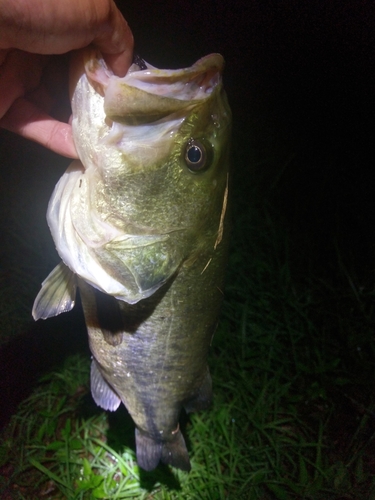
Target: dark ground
300	80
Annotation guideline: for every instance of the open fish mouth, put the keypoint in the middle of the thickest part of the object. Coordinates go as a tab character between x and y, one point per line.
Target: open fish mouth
187	84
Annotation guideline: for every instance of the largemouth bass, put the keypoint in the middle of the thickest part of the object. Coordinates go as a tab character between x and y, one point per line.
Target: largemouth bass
140	223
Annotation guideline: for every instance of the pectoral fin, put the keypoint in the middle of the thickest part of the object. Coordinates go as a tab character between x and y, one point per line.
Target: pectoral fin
102	393
57	294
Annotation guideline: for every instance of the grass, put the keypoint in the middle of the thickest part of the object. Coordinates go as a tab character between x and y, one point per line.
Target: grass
292	366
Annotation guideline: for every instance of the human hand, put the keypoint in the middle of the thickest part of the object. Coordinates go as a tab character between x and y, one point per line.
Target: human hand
32	30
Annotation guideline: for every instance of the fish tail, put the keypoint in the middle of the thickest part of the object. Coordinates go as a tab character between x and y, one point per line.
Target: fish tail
150	452
175	453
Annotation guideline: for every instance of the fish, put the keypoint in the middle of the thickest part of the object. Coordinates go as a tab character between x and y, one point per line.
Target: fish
141	224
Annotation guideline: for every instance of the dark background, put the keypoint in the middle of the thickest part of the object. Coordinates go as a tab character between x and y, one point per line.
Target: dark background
300	80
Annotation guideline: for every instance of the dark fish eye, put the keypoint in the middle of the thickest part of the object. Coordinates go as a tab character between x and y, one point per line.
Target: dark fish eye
196	156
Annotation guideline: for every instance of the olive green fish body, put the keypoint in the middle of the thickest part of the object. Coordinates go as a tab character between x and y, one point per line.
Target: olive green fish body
141	226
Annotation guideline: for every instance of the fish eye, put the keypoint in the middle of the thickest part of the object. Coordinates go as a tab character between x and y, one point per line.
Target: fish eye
196	156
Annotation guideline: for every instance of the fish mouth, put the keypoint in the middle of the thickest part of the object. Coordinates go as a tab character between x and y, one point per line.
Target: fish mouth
193	82
145	93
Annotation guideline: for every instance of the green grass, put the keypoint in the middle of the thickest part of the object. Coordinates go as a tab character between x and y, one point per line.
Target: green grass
292	365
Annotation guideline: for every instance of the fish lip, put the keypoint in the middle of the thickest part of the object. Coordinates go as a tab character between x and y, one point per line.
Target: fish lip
205	73
211	62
